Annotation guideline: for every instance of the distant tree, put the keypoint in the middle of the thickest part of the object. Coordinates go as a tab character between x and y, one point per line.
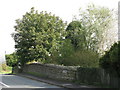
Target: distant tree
11	59
75	33
38	35
88	31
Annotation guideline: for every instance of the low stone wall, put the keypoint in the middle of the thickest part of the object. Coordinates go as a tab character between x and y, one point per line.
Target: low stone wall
93	76
52	71
97	76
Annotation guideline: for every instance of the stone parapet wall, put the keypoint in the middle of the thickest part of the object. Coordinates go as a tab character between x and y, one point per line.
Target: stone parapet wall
52	71
71	73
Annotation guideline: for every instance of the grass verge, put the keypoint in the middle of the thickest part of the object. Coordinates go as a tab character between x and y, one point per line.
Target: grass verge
5	70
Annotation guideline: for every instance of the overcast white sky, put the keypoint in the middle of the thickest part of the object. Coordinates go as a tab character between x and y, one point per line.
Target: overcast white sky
10	10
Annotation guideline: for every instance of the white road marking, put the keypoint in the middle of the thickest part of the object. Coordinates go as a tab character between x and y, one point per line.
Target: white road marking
4	84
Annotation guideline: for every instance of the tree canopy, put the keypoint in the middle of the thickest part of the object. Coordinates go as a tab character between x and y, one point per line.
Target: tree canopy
88	30
37	35
44	37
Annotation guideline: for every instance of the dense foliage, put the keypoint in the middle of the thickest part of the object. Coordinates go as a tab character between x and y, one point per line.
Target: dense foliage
111	59
75	34
87	31
86	35
69	57
65	51
38	35
44	37
11	59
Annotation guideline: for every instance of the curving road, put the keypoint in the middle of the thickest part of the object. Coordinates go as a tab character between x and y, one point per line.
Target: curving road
13	81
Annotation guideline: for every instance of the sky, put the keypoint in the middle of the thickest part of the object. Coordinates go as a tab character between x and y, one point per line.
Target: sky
10	10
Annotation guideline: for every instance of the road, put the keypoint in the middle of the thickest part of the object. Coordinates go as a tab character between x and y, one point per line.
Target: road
13	81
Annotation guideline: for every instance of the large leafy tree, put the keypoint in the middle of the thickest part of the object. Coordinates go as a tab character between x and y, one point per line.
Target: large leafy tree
38	35
89	30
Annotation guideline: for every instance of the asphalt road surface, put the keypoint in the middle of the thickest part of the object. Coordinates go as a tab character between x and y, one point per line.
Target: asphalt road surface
13	81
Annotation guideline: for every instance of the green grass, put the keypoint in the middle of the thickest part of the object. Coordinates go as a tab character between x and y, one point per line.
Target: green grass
5	72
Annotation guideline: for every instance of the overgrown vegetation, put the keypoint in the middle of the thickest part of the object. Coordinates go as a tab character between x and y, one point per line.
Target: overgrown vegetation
45	38
111	60
82	45
69	57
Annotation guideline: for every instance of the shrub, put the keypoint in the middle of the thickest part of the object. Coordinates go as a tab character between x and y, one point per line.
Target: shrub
84	58
68	56
58	57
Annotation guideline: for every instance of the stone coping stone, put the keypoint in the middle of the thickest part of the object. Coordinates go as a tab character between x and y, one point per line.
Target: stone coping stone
57	66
